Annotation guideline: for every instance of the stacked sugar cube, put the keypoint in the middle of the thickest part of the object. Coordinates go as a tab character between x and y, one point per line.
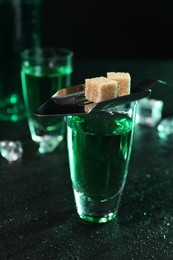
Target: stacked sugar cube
103	88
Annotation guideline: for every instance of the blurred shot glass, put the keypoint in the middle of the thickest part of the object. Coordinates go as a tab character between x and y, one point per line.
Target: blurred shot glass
43	72
99	150
149	112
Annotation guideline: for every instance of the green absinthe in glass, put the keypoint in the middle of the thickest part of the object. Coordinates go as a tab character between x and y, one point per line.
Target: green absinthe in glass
38	87
99	148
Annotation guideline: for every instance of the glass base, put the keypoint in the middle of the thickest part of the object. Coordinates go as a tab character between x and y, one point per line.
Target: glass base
165	129
12	109
49	143
97	211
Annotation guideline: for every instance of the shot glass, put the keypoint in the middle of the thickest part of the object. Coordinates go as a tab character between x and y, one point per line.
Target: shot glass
43	72
99	150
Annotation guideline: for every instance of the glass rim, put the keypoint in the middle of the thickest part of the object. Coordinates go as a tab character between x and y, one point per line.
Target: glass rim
46	52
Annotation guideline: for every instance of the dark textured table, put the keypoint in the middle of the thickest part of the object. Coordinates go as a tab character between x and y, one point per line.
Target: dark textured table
38	219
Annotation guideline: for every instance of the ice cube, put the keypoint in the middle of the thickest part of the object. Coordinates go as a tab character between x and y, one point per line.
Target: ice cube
11	150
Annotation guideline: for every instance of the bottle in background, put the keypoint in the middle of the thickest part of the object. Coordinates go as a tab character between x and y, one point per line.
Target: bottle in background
20	28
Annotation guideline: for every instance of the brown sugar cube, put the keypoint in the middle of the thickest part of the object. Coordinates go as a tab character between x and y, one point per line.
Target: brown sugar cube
100	89
124	82
88	107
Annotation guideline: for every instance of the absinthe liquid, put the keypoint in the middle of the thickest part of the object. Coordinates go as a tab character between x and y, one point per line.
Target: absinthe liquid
99	149
38	87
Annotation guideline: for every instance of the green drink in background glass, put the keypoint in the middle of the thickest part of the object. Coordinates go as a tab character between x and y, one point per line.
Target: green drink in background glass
43	73
99	149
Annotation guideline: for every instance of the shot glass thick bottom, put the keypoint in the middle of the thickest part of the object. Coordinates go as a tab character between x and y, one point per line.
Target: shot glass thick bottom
47	135
97	211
